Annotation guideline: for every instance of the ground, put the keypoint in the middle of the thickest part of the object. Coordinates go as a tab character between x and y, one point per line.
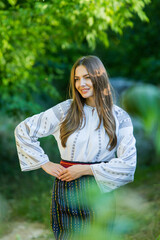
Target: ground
28	231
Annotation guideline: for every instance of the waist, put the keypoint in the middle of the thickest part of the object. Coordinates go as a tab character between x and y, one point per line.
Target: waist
66	163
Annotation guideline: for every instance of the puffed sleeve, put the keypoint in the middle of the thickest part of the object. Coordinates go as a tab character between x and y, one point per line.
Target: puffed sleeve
120	169
31	155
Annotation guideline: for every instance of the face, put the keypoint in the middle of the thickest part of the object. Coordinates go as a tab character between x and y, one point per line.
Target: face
83	83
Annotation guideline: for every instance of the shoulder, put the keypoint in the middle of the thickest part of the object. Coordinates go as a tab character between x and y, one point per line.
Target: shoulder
61	109
119	111
65	104
122	116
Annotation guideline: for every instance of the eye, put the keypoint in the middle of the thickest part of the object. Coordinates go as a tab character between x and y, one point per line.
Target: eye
87	77
75	79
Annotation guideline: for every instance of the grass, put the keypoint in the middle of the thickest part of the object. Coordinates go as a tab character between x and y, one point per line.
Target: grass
137	213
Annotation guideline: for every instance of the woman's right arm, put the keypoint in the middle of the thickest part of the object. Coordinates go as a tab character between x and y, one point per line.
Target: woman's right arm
27	133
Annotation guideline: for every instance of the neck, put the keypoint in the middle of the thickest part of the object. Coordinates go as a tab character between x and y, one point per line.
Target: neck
90	102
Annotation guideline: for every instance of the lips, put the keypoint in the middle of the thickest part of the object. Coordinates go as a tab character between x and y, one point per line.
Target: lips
84	90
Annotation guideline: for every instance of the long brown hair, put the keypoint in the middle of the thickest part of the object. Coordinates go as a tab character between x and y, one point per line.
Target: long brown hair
103	101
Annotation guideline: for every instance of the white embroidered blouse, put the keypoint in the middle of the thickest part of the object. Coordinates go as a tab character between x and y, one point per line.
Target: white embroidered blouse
113	168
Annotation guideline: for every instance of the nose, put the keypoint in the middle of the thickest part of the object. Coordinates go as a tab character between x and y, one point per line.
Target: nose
82	81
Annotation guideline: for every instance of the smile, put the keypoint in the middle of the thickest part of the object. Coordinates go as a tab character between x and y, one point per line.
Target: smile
85	90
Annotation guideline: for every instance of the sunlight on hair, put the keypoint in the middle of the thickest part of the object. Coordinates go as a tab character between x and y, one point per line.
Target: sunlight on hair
106	91
99	72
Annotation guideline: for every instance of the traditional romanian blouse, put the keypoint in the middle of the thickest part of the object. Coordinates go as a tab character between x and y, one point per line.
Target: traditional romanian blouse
112	169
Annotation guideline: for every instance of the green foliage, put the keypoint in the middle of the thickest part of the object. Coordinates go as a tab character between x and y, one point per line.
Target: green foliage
143	101
134	54
38	37
4	210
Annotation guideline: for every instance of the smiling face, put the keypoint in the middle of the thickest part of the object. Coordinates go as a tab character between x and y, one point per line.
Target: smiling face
84	85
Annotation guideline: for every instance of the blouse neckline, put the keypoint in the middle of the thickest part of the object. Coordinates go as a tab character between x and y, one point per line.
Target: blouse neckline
89	106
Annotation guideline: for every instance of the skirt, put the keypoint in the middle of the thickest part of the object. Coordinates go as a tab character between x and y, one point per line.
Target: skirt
76	207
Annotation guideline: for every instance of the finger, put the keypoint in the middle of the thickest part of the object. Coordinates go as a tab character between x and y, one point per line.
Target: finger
62	168
56	173
59	171
65	176
63	172
67	179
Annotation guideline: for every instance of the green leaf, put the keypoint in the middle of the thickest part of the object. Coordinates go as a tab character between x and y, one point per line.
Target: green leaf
12	2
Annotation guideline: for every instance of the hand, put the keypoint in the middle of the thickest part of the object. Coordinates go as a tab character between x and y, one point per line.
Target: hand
74	172
53	169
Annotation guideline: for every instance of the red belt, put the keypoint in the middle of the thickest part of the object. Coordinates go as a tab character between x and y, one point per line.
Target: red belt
67	164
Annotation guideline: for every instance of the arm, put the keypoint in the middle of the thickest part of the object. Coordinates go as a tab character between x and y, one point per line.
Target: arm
31	155
119	170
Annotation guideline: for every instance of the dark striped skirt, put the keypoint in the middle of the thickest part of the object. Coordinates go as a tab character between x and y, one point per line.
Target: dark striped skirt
74	208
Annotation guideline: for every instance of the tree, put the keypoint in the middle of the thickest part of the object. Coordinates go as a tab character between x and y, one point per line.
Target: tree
134	54
36	34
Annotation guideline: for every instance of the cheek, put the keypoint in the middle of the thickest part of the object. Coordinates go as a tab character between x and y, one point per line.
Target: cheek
90	84
76	85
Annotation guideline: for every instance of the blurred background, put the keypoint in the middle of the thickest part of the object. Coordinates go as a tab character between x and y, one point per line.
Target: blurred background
40	41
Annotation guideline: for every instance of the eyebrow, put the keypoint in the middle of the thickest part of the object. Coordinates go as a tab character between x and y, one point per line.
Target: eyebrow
83	76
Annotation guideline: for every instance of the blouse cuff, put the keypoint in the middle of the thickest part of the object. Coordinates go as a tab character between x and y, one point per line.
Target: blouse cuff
102	186
32	167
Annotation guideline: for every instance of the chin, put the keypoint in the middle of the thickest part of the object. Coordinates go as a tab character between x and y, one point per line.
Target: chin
85	96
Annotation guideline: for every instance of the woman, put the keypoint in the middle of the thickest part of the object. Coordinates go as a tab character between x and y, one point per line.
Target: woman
95	140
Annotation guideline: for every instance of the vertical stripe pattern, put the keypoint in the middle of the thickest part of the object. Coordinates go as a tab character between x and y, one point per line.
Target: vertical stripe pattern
70	212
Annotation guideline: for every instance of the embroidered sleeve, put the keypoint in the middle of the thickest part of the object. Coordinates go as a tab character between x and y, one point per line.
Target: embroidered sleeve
31	155
119	170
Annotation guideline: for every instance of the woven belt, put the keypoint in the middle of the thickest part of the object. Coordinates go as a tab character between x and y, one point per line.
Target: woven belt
67	164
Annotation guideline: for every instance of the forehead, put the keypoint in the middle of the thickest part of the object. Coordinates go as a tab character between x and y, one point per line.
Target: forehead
80	71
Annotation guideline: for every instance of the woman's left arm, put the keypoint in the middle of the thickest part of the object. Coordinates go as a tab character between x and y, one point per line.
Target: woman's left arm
119	170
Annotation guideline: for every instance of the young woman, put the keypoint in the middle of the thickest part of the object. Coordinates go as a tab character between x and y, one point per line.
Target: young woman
95	140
